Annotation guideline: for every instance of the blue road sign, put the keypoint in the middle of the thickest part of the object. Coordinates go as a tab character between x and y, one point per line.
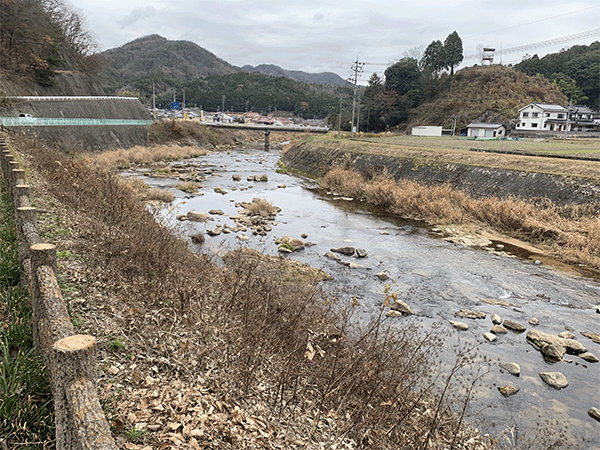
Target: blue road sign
175	105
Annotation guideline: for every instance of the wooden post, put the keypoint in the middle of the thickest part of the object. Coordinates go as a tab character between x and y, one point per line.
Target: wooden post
81	425
267	133
22	195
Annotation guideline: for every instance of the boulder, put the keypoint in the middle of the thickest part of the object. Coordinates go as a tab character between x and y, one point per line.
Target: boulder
589	357
236	177
512	368
348	251
242	238
281	186
490	337
214	232
594	413
393	314
283	249
554	379
515	326
216	212
534	321
459	325
508	390
402	307
382	276
468	314
539	338
496	319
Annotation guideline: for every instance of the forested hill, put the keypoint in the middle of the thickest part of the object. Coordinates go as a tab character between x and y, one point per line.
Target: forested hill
576	70
492	92
156	55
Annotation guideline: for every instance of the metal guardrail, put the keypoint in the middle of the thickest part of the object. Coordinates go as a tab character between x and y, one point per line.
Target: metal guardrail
66	98
49	122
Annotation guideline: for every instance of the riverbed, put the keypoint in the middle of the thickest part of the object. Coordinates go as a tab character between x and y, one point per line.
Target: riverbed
435	277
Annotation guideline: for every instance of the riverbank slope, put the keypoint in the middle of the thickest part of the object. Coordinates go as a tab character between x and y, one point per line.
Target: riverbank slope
547	202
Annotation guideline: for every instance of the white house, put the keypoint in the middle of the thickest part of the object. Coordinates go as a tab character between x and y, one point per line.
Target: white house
486	130
542	117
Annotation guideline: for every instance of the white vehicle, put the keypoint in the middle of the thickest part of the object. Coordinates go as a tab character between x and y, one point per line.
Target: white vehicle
27	116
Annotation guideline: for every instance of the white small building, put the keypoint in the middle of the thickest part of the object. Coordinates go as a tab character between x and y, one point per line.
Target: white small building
426	131
486	130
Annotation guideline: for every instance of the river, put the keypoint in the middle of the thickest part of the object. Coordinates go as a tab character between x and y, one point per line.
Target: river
435	277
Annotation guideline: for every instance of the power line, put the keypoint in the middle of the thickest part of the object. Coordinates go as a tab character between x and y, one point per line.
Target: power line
548	43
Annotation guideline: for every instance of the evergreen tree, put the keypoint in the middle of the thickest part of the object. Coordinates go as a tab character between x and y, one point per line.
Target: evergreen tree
453	51
433	60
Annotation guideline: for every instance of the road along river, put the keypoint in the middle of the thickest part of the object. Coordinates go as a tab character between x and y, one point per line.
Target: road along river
435	277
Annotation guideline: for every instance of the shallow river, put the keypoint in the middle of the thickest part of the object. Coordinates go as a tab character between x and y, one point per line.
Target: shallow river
435	277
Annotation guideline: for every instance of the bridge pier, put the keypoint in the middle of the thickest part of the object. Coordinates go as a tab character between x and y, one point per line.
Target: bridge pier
267	133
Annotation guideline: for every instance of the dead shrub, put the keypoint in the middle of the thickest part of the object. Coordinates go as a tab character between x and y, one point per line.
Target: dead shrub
261	206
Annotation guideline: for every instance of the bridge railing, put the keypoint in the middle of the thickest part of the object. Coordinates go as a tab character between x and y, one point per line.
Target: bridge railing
43	121
70	358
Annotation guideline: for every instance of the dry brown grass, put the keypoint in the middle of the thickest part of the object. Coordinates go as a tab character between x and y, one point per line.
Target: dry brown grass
571	233
267	342
261	206
123	158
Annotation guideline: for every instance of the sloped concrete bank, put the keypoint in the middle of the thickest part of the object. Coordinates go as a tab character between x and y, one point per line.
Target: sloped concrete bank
96	137
308	159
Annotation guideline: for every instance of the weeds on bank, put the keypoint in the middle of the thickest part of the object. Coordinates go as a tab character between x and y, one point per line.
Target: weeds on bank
26	408
571	232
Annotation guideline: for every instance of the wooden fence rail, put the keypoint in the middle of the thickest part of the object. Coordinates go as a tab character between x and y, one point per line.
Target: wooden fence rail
70	358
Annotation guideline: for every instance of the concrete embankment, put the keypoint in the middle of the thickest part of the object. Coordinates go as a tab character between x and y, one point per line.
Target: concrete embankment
309	158
86	137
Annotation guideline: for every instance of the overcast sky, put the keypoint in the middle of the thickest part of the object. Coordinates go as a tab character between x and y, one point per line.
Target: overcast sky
328	36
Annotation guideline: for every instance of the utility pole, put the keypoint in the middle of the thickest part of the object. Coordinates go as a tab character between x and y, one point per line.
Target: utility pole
340	118
357	68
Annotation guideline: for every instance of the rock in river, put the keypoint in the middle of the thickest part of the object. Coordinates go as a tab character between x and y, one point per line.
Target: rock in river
512	368
508	390
498	329
594	413
459	325
332	255
490	336
554	379
382	276
348	251
468	314
496	319
399	305
515	326
590	357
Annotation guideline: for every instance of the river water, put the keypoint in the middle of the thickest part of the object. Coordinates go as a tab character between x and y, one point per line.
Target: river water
435	277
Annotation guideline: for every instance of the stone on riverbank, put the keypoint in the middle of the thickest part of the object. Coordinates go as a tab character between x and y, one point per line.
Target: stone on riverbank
498	329
594	413
196	216
566	335
512	368
382	276
542	340
554	379
534	321
361	253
